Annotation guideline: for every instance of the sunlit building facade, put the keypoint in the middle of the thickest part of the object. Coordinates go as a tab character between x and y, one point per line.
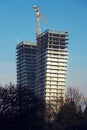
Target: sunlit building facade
51	66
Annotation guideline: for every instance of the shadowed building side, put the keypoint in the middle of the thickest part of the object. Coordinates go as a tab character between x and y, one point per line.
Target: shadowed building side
26	64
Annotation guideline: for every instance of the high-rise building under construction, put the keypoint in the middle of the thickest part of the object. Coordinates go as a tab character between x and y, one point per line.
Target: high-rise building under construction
52	55
26	64
45	64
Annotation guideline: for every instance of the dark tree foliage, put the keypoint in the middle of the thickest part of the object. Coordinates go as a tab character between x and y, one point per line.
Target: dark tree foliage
20	109
72	116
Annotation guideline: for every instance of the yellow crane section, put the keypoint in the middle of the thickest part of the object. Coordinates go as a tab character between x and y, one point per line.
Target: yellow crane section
38	12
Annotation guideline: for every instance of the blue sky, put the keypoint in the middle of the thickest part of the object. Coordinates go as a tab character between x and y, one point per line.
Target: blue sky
18	21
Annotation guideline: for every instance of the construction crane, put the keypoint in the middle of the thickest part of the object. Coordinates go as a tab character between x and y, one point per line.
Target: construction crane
38	30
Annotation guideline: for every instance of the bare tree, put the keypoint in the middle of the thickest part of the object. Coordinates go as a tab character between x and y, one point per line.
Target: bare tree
74	95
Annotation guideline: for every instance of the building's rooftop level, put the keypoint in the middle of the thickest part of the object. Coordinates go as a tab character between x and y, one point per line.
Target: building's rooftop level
26	43
55	32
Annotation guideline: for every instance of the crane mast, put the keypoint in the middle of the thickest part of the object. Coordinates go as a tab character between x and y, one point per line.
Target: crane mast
36	8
